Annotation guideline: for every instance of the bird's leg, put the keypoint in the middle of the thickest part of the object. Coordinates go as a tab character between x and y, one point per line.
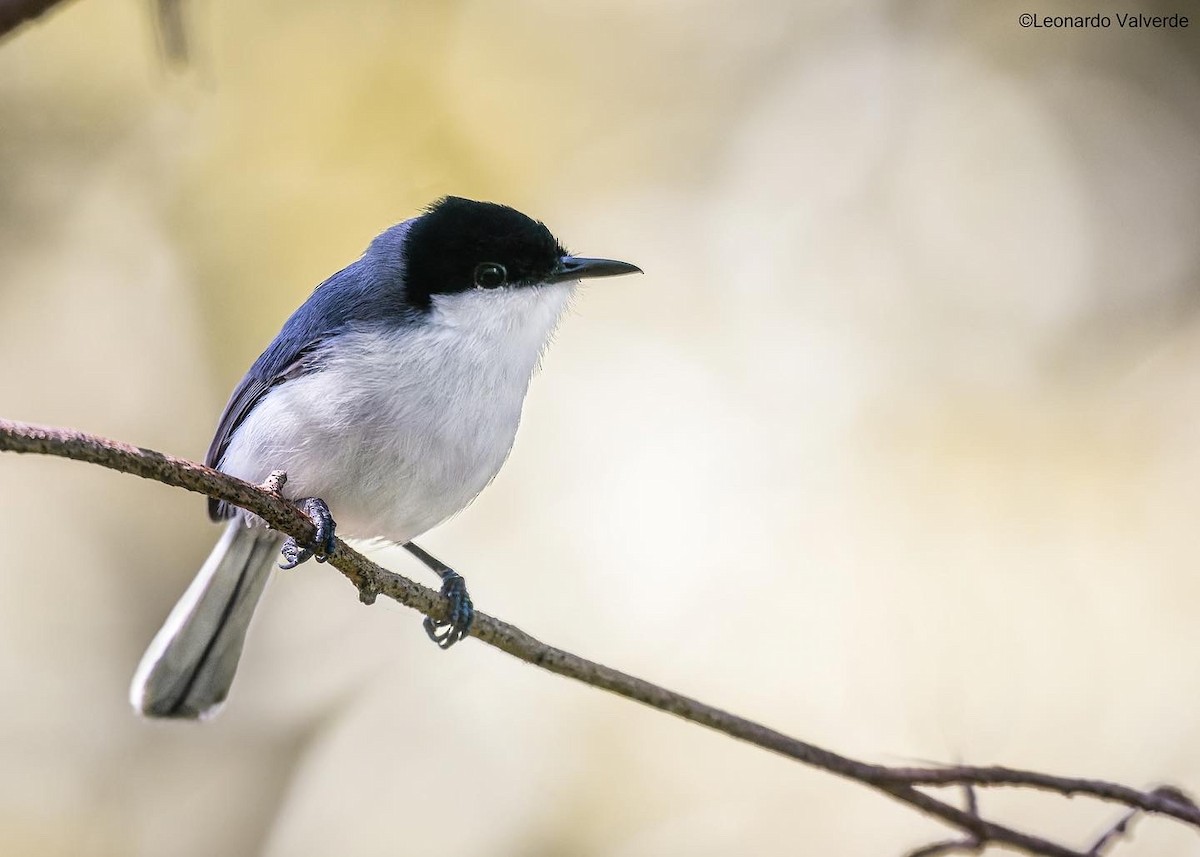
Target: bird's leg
321	545
462	612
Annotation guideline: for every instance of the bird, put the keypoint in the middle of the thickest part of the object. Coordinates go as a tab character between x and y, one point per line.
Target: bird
390	399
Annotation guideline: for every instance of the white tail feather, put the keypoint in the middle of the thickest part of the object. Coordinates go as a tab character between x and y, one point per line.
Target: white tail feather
189	666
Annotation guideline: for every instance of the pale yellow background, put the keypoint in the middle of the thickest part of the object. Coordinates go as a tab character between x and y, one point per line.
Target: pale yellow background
895	447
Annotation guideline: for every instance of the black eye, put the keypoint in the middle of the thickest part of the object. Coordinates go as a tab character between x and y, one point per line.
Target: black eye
490	275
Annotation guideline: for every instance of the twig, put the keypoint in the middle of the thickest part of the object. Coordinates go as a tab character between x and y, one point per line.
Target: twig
1122	825
1114	833
899	783
1165	800
970	844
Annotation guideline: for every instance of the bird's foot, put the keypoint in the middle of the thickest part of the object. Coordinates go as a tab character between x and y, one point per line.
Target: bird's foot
321	545
459	617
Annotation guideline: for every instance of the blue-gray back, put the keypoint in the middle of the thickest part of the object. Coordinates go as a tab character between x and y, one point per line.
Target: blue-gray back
369	291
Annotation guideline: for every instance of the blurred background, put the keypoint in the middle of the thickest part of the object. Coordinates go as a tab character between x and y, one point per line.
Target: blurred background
895	447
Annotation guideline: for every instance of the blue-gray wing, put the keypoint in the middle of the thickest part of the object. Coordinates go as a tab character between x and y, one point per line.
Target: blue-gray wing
261	378
370	291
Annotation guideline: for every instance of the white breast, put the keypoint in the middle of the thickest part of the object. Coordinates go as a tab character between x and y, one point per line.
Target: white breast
403	427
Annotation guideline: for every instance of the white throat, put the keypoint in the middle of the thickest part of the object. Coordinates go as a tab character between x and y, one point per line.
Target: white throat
507	328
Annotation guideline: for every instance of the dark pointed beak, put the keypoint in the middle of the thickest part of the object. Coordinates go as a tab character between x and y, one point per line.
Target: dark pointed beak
578	268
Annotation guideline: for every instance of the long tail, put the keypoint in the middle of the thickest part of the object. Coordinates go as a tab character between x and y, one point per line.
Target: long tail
191	662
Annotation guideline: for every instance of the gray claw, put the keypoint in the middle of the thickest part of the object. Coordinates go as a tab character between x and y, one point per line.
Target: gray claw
459	618
323	542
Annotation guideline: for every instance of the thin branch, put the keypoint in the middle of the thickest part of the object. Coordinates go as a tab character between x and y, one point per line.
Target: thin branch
970	844
1122	826
1165	800
371	580
1114	833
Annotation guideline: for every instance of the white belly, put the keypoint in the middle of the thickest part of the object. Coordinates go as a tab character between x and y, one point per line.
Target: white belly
403	428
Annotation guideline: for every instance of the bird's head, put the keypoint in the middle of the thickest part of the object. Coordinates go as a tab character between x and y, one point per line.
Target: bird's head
458	251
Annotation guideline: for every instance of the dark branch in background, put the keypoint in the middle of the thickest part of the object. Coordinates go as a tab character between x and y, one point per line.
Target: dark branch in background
172	31
13	13
371	581
169	23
